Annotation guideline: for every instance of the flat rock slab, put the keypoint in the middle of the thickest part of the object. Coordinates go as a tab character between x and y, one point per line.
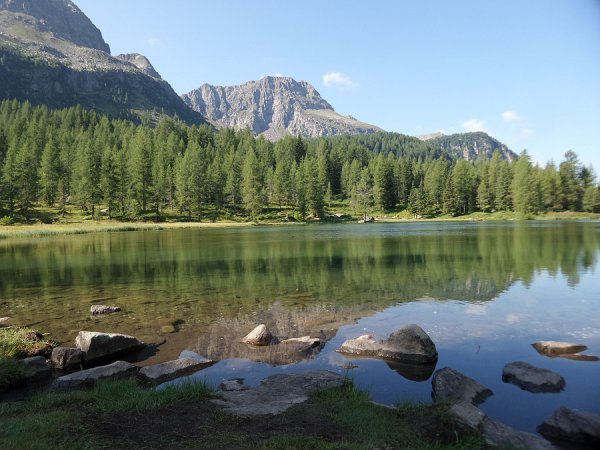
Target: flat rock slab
159	373
277	393
301	344
409	344
97	346
451	386
574	426
556	348
501	435
89	377
531	378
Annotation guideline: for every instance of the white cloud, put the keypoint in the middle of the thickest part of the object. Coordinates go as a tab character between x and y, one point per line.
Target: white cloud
473	125
153	41
338	79
511	117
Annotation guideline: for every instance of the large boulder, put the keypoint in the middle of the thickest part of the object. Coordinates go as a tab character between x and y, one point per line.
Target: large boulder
89	377
259	336
531	378
409	344
97	310
159	373
97	346
498	434
66	358
574	426
36	369
556	348
451	386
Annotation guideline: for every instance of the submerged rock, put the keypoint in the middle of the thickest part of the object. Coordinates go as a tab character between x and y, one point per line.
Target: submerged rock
235	384
532	379
301	344
556	348
97	310
566	424
188	354
409	344
277	393
451	386
65	358
501	435
89	377
259	336
97	346
159	373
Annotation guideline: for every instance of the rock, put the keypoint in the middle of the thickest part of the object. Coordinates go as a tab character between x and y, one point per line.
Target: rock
103	309
235	384
568	425
555	348
97	346
467	414
531	378
451	386
36	368
259	336
581	357
159	373
65	358
501	435
168	329
277	393
5	321
409	344
188	354
84	378
301	344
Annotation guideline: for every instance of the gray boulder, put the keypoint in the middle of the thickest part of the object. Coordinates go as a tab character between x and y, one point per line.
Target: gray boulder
159	373
467	414
409	344
97	310
66	358
97	346
574	426
556	348
36	369
89	377
532	379
501	435
259	336
451	386
277	393
301	344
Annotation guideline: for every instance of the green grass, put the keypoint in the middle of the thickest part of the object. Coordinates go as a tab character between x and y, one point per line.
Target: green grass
22	342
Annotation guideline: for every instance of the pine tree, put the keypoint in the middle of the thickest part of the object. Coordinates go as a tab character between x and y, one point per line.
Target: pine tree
252	189
26	174
50	172
88	170
140	168
109	179
522	186
571	190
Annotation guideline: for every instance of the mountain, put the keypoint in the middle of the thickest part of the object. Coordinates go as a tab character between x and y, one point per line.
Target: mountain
469	145
273	107
51	53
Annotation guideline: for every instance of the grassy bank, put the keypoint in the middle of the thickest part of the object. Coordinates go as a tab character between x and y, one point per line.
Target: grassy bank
123	415
18	342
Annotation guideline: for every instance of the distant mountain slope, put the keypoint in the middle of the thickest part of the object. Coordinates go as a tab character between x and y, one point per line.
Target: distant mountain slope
469	145
273	107
51	53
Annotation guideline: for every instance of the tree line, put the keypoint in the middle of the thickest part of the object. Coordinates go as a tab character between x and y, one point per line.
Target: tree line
55	158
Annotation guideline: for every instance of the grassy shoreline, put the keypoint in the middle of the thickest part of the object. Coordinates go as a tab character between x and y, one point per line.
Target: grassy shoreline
103	225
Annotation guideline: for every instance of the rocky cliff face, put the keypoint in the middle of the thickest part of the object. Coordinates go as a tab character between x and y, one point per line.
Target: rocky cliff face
51	53
273	107
469	145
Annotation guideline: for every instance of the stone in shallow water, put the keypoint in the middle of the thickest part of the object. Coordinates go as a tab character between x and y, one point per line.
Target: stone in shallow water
235	384
259	336
409	344
566	424
277	393
5	321
531	378
451	386
188	354
556	348
98	346
97	310
159	373
84	378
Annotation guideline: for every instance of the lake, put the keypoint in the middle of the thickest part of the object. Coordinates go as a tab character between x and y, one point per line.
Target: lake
483	291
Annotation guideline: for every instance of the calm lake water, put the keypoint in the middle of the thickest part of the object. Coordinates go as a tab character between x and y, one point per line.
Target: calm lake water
483	291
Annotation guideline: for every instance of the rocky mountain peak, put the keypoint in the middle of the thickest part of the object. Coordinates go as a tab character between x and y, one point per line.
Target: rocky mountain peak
273	107
141	62
61	18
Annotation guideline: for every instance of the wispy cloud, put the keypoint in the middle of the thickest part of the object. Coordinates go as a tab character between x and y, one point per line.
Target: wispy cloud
511	117
473	125
153	41
338	79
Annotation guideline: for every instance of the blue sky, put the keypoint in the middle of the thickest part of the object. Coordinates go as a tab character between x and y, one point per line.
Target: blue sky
526	72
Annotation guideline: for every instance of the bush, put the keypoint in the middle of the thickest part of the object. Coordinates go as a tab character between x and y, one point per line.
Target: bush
7	220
